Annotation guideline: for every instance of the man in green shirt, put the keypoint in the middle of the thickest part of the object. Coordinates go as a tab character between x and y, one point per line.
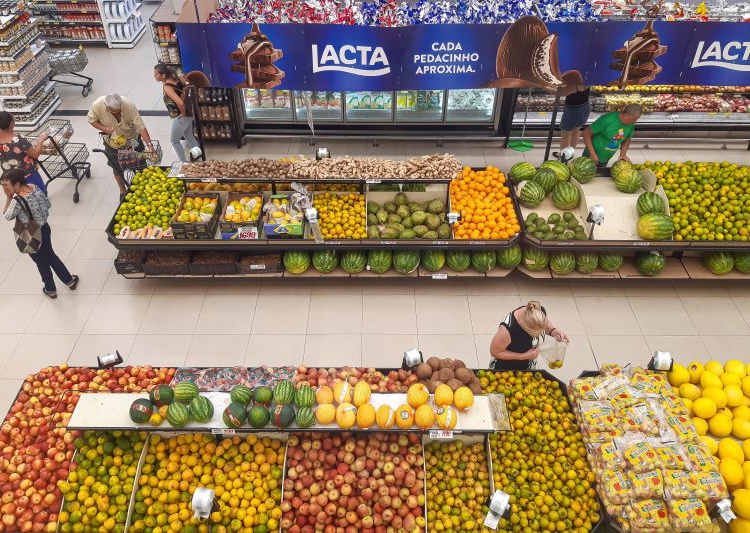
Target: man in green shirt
609	133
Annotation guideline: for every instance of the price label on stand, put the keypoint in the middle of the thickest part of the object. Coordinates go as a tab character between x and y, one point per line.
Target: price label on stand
387	243
223	431
441	434
440	275
247	232
373	181
208	180
257	267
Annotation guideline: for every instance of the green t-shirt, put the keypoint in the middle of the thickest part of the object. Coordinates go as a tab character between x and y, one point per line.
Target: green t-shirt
608	133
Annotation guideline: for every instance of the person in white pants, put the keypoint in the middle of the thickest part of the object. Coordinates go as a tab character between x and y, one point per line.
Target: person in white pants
174	99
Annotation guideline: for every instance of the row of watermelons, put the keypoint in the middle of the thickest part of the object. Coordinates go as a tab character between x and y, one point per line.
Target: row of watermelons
565	262
653	222
721	263
552	177
276	406
183	403
402	261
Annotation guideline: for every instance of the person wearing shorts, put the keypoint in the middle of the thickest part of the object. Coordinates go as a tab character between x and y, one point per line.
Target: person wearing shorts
574	118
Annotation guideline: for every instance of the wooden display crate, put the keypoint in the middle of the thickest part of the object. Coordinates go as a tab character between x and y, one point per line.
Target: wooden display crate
196	230
230	230
179	267
218	268
129	262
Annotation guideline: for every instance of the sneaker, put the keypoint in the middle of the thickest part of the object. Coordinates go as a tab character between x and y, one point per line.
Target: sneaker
73	283
51	294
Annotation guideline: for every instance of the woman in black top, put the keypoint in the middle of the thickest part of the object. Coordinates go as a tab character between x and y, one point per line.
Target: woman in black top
179	112
516	343
575	114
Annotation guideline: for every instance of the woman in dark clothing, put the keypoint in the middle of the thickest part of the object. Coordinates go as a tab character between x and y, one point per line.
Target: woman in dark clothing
516	343
17	152
174	100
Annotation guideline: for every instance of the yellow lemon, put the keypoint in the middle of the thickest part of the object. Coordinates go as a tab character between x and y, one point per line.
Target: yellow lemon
696	370
701	426
743	412
720	425
731	471
729	448
704	408
688	405
690	391
709	379
741	428
746	469
715	367
746	449
739	525
735	367
734	395
745	384
710	443
741	504
717	394
728	378
678	375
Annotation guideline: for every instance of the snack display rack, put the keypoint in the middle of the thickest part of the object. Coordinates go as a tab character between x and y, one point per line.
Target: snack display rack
162	24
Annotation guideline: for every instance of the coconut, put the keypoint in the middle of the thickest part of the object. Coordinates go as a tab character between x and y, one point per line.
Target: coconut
447	363
454	384
445	375
457	363
476	388
434	363
424	371
433	377
432	386
464	375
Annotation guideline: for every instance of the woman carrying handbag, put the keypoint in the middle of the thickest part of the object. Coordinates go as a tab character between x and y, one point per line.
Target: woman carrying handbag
29	206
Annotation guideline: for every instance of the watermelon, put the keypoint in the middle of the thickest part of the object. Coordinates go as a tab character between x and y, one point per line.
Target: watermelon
177	415
234	415
530	194
742	262
296	262
586	262
258	416
201	409
562	263
483	261
325	261
262	396
161	395
610	262
650	202
380	261
406	261
305	396
282	416
433	260
305	417
283	392
719	263
547	178
629	183
184	392
353	262
510	257
566	196
621	168
141	410
521	172
583	169
561	171
650	263
655	227
241	394
535	259
458	260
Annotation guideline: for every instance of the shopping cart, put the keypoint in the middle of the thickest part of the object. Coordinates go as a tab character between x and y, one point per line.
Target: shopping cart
69	63
132	157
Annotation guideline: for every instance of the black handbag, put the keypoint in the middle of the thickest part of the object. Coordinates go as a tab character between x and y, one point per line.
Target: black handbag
28	235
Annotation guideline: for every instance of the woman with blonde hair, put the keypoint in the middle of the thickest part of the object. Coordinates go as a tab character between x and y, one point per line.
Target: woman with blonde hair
515	346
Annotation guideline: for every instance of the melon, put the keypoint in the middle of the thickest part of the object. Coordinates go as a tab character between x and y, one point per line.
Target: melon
234	415
361	393
325	413
141	410
417	395
566	196
424	417
353	261
546	178
404	416
283	392
258	416
305	417
406	261
458	260
655	227
385	416
185	392
562	263
365	416
610	262
560	169
586	262
621	168
201	409
241	394
719	263
583	169
510	257
742	262
483	261
325	261
446	417
650	263
342	392
463	398
177	415
650	202
305	396
346	415
324	394
521	171
380	261
296	261
530	194
161	395
443	395
433	260
535	259
629	183
282	416
262	396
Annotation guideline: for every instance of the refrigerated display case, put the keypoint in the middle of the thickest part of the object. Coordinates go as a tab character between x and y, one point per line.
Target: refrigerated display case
471	105
260	104
369	106
325	105
419	106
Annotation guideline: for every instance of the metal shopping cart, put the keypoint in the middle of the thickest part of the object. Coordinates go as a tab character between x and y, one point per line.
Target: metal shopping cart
69	63
132	157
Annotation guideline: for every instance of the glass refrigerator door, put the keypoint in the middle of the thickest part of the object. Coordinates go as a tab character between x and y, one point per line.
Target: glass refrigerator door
470	105
419	106
263	105
369	106
325	105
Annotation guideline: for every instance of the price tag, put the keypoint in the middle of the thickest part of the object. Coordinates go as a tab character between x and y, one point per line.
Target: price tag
641	243
440	275
440	243
334	243
257	267
222	431
247	232
373	180
441	434
208	180
387	243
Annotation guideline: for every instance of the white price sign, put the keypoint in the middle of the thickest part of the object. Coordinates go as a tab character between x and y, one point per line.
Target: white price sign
372	180
247	232
441	434
440	275
257	267
208	180
223	431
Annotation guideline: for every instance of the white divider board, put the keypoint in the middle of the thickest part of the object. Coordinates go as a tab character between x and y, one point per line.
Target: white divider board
107	411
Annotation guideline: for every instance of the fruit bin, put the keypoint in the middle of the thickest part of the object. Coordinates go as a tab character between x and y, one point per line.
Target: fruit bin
379	199
230	229
196	230
283	231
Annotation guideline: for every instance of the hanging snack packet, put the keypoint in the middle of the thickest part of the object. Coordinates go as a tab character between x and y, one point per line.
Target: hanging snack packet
650	516
712	486
681	484
647	484
638	454
616	487
690	516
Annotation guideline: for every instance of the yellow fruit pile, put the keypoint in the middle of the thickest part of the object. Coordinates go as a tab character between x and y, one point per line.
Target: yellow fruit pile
151	201
458	484
541	463
245	472
341	216
245	209
97	492
483	201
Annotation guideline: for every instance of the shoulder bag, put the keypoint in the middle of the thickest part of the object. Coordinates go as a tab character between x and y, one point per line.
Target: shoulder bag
28	235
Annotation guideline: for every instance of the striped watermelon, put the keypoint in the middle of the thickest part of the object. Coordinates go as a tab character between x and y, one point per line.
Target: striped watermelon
610	262
719	263
650	202
433	260
406	261
483	261
201	409
521	172
234	415
655	227
305	396
535	259
305	417
561	171
629	183
530	194
353	261
586	262
184	392
547	178
742	262
177	415
141	410
161	395
380	261
566	196
325	261
283	416
583	169
296	261
510	257
458	260
258	416
283	392
621	168
650	263
262	396
562	263
241	394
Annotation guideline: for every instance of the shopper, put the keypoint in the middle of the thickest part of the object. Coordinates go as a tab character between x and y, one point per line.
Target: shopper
611	132
515	346
116	116
174	99
22	198
574	117
17	152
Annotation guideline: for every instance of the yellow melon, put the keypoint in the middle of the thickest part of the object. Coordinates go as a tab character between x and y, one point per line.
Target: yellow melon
325	413
324	394
424	417
342	392
446	418
385	417
346	415
443	395
417	395
404	416
741	504
365	416
741	429
361	394
463	398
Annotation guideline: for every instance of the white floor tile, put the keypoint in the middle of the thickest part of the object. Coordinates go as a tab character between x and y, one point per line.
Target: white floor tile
117	313
8	343
171	314
275	350
227	314
35	351
159	350
24	307
64	315
89	347
217	350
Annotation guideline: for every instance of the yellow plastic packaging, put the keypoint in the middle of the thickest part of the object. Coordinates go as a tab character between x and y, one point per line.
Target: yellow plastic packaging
681	484
598	416
690	516
647	484
712	486
616	487
650	516
701	458
638	454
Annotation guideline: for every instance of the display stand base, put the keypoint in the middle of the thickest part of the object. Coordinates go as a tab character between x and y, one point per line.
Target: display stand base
596	274
446	273
543	274
697	270
672	270
499	272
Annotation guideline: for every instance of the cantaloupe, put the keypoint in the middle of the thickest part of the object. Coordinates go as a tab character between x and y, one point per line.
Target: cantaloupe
325	413
385	417
342	392
346	415
404	416
424	417
361	394
365	416
417	395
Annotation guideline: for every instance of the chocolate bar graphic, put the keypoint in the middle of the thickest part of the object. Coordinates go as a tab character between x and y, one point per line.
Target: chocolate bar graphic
635	60
255	56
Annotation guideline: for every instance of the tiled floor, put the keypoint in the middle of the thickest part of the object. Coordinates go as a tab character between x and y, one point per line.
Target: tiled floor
325	322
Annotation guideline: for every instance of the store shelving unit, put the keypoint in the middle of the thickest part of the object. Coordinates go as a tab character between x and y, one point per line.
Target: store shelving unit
162	24
215	113
24	68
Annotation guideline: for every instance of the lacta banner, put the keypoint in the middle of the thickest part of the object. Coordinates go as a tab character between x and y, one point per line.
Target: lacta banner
527	53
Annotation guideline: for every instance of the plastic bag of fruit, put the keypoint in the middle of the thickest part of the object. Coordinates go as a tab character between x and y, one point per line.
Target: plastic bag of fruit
584	389
681	484
650	516
648	484
606	455
672	405
611	369
598	416
683	428
616	487
671	456
649	382
701	458
638	454
691	516
640	418
712	486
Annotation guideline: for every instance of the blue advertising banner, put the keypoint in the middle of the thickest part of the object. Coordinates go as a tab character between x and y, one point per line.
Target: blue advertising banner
527	53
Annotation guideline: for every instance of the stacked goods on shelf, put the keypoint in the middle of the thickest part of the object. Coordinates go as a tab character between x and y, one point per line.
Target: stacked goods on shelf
149	206
652	468
717	397
672	88
123	22
541	462
215	112
164	35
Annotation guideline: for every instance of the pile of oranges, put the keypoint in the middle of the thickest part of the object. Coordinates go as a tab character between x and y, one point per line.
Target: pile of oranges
483	201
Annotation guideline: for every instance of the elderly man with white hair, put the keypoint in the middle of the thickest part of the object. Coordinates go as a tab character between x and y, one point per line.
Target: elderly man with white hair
115	115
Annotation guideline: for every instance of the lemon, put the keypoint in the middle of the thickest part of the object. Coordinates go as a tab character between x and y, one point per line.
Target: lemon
690	391
746	450
741	504
715	367
701	426
710	443
731	471
734	395
735	367
743	412
720	425
688	405
739	525
729	447
696	370
747	369
678	375
704	408
716	394
745	384
709	379
727	378
741	428
746	469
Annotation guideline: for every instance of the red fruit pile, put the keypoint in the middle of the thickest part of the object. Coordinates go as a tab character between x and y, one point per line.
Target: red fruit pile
393	381
364	483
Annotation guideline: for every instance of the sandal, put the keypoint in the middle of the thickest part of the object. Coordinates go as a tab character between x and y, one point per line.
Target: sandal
73	283
51	294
